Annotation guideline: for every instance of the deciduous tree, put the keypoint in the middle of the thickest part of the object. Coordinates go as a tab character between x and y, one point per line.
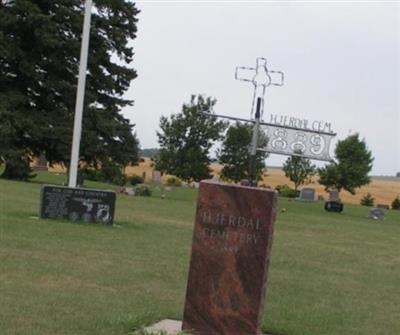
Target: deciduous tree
299	170
235	153
186	139
350	171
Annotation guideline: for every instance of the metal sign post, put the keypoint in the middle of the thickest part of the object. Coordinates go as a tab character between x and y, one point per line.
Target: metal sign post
261	78
254	143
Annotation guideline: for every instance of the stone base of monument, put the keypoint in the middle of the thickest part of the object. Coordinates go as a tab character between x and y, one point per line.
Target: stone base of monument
77	204
167	327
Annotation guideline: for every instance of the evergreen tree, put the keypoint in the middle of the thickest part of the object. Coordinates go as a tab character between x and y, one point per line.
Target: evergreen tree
39	60
367	200
396	203
235	153
186	138
354	162
299	170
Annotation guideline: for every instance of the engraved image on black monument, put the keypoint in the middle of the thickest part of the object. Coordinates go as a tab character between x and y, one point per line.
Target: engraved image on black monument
334	206
88	205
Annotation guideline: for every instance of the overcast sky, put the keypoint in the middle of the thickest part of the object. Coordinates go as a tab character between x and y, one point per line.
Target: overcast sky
340	59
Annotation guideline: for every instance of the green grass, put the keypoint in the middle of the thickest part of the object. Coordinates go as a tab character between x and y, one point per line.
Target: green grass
330	273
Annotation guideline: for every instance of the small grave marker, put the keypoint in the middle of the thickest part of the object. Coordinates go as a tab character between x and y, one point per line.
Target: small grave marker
61	202
376	214
334	196
41	163
383	206
156	176
307	194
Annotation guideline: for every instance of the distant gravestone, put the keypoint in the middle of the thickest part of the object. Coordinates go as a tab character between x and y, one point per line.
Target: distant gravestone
41	163
376	214
383	206
130	191
156	176
334	206
307	194
230	257
80	180
59	202
334	196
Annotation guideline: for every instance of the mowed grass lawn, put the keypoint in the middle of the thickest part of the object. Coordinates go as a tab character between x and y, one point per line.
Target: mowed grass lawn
330	273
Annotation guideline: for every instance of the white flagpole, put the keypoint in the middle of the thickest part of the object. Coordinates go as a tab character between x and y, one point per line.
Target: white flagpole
80	95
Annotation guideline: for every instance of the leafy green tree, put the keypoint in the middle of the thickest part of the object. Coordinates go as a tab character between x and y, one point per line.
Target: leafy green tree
186	138
299	170
354	162
235	153
39	59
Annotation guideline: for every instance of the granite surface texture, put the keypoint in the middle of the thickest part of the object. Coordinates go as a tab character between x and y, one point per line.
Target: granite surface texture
231	250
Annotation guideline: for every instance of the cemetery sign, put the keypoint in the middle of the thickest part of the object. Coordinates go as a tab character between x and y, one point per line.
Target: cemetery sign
286	135
231	252
294	141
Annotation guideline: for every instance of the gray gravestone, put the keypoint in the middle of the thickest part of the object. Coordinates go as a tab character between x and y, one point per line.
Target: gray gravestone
334	196
383	206
60	202
41	163
156	177
376	214
307	194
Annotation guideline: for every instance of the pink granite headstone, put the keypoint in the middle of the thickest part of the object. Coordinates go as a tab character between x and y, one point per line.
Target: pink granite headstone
229	262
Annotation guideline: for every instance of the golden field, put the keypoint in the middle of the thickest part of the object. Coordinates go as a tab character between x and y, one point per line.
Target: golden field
383	189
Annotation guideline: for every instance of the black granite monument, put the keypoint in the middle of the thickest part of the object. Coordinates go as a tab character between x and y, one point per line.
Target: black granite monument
60	202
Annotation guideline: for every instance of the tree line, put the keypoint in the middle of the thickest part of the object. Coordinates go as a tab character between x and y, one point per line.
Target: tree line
186	138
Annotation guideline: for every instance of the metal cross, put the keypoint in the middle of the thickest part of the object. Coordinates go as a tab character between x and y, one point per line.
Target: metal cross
261	78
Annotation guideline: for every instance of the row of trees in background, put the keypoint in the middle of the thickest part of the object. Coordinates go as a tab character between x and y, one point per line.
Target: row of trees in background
369	201
186	139
349	172
39	59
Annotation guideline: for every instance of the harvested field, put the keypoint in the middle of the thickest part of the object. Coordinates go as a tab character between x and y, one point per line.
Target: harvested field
383	189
